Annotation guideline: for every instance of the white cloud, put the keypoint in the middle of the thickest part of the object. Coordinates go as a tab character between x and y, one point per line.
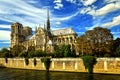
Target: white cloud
31	1
86	10
5	26
57	1
58	4
88	2
111	1
106	9
4	35
16	8
65	18
72	1
114	22
4	42
58	23
30	15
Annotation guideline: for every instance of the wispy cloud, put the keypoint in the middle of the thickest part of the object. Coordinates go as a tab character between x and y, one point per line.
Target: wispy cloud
106	9
114	22
5	26
58	4
4	35
66	17
88	2
26	14
72	1
111	1
5	42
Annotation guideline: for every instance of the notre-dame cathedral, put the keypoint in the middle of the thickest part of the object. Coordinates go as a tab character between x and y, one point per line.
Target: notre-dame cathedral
44	39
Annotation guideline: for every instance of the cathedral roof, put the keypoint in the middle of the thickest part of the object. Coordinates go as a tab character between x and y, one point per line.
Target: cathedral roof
63	31
29	37
50	42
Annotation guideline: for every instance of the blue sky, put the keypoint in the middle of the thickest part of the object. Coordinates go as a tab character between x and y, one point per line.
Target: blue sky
81	15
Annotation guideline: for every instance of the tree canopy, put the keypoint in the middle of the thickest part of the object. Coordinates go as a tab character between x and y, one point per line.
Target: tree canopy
17	49
96	42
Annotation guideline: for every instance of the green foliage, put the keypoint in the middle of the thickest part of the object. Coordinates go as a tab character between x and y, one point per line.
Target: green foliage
35	61
23	54
107	55
47	62
17	49
36	53
26	61
95	41
117	53
31	48
6	59
59	51
5	53
89	62
31	54
63	51
39	53
67	51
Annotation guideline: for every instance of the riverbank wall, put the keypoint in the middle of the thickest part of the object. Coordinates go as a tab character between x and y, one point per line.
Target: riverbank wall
103	65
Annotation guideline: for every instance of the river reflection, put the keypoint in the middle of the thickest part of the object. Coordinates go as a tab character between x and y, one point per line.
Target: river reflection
89	77
16	74
47	75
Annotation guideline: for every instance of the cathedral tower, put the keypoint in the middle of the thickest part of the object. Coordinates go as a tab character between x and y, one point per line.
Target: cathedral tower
16	34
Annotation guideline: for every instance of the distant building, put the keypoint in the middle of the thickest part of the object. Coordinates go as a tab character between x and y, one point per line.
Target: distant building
44	39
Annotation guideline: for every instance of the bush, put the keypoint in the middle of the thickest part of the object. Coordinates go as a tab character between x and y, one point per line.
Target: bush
47	62
35	62
31	54
23	54
117	53
107	55
89	62
26	61
39	53
6	59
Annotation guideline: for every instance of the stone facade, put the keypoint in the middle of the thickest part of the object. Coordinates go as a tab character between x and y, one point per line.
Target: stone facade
44	39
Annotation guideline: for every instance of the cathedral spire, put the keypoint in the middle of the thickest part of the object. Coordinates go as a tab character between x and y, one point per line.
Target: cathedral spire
48	21
36	29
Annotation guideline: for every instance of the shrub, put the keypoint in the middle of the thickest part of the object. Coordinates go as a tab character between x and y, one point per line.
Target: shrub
6	59
26	61
31	54
107	55
23	54
35	62
47	62
89	62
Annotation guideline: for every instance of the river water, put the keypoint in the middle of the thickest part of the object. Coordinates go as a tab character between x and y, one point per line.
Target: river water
17	74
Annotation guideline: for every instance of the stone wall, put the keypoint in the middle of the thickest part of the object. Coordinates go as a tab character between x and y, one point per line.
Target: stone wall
104	65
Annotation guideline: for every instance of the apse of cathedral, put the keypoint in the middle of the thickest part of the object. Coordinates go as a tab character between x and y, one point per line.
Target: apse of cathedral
44	39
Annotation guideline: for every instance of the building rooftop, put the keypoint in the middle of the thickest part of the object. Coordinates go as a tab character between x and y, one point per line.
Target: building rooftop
63	31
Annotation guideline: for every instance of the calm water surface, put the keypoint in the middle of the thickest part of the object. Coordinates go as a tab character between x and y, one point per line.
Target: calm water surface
16	74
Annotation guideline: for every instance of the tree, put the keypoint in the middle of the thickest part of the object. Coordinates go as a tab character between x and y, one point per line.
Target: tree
67	51
58	51
17	49
63	51
116	44
5	53
31	49
117	53
96	42
89	62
